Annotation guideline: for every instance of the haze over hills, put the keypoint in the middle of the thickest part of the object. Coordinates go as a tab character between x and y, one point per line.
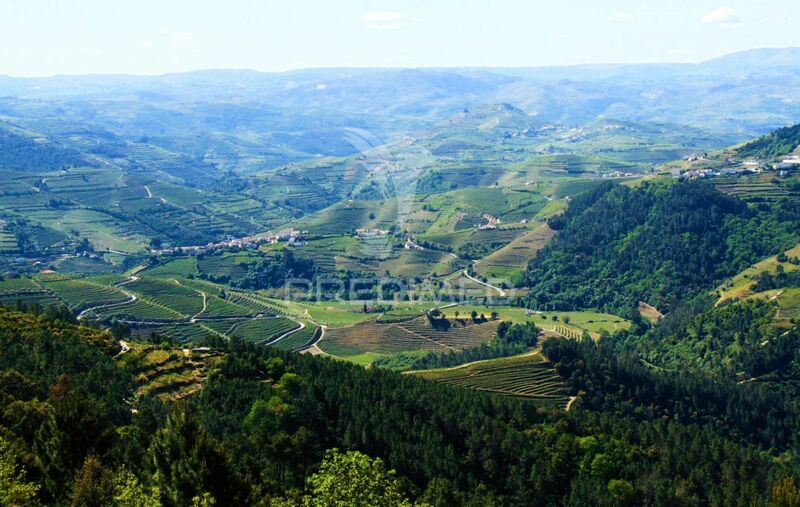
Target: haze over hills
248	121
574	94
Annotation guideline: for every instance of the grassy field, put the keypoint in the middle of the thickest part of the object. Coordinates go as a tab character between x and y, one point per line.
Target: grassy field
591	322
528	376
347	313
553	207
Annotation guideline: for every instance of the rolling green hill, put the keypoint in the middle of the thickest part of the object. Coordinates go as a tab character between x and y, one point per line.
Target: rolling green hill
776	144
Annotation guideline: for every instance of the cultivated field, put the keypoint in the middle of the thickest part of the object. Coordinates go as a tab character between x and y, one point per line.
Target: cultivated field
262	330
740	286
298	339
513	258
170	374
406	336
528	376
79	294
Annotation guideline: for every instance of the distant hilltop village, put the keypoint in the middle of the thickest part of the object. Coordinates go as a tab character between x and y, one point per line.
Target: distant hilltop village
732	166
292	237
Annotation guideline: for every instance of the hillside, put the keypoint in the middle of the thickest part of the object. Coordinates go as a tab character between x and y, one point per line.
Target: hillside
658	243
438	287
775	144
23	154
69	434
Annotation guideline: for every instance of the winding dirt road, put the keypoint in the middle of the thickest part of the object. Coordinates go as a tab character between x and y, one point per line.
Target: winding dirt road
132	299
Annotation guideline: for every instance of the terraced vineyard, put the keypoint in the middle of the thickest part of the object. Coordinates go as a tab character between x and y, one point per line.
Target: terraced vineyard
529	377
79	294
298	339
170	374
756	188
8	242
171	294
141	311
742	285
256	302
217	307
183	310
262	330
180	332
568	331
12	285
405	336
514	257
36	297
459	335
181	267
399	315
413	263
223	266
789	301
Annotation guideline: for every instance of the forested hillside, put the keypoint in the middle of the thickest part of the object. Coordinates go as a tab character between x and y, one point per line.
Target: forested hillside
21	153
775	144
622	384
259	431
659	243
737	341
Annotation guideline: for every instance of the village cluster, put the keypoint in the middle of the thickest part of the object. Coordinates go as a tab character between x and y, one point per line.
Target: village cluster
734	167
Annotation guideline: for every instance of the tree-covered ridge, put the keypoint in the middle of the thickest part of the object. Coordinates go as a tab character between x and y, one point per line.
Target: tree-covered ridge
61	396
263	429
775	144
736	341
21	153
658	243
780	279
624	385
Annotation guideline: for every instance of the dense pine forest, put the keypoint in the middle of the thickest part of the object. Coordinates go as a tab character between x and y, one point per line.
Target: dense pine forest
273	428
659	242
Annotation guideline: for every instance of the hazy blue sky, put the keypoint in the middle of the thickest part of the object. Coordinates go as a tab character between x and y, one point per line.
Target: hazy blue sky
39	37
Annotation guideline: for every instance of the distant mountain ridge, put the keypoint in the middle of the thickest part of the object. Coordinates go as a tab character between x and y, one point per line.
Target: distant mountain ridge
750	92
